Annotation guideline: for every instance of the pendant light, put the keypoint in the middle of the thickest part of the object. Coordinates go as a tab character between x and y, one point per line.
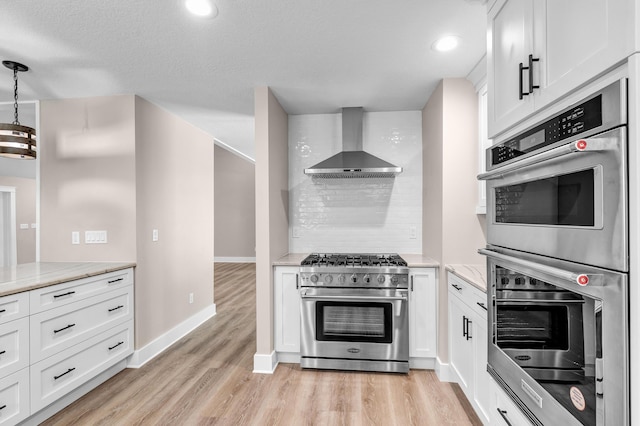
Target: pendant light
17	141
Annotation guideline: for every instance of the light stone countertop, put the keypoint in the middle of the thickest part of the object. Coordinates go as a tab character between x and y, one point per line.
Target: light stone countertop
29	276
413	260
475	275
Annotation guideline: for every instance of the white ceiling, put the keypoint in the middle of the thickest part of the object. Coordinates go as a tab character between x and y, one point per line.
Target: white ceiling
316	55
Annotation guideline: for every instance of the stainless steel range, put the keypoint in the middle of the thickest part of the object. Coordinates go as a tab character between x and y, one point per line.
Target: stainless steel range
355	312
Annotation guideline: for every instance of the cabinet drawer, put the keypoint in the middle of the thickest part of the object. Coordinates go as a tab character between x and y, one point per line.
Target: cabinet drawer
60	328
14	306
506	413
63	372
72	291
14	346
14	397
473	297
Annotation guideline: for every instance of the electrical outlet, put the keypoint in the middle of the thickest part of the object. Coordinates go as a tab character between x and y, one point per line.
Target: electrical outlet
154	235
413	232
190	297
24	226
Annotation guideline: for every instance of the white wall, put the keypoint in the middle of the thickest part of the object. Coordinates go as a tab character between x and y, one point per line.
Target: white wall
356	215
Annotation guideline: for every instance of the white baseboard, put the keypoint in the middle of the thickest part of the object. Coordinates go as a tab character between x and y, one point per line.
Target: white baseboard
235	259
422	363
145	354
288	357
265	363
443	371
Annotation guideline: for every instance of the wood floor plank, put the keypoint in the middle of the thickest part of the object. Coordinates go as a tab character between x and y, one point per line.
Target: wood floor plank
207	378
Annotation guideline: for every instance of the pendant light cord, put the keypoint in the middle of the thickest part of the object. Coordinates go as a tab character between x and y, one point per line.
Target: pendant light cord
15	96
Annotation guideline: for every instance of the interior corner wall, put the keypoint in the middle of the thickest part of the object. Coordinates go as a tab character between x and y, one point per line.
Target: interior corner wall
87	178
452	232
25	214
235	200
272	206
175	195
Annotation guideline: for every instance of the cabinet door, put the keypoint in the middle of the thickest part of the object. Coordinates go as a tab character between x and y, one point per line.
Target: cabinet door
576	41
287	310
461	342
510	42
422	313
481	376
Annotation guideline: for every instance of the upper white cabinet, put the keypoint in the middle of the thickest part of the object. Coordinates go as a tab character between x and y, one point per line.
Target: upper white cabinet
540	50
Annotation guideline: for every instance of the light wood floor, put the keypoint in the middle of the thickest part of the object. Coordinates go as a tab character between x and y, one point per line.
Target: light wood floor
206	379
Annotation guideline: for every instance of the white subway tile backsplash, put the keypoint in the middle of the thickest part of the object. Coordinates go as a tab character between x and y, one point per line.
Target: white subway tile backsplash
356	215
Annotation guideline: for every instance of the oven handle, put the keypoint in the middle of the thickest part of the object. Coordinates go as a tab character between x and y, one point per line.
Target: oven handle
578	278
347	297
581	145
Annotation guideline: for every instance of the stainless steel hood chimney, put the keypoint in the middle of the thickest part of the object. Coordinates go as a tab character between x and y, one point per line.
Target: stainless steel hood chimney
352	162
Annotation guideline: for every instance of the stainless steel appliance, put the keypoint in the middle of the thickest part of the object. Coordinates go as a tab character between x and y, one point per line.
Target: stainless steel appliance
355	312
560	188
557	264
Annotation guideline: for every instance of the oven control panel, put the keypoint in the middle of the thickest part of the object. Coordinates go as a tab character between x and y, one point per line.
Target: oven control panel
354	279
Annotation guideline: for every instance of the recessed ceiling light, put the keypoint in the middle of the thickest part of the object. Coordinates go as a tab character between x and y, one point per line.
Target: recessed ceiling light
203	8
446	43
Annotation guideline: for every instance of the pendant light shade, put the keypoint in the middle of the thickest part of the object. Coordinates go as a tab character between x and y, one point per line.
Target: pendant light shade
17	141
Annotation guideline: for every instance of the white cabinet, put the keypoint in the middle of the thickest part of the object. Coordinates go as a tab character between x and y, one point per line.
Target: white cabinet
483	143
422	313
286	309
540	50
14	397
468	342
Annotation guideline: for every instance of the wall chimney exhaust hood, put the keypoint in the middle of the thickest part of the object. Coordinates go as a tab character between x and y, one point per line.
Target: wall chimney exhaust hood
352	162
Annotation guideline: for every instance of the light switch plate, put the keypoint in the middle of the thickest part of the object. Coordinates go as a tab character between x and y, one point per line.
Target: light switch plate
95	237
154	236
75	237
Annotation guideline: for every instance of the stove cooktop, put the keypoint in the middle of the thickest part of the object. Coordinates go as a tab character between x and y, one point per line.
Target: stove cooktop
349	260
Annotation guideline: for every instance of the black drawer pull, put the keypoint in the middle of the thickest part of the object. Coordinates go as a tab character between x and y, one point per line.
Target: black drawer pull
456	287
3	310
116	345
115	281
116	308
63	328
4	406
63	294
63	374
482	305
3	352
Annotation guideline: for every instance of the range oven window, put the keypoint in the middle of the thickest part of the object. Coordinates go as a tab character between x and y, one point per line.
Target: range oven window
354	321
559	200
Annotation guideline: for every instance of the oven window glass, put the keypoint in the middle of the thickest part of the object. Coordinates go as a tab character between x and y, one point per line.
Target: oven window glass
354	322
533	326
560	200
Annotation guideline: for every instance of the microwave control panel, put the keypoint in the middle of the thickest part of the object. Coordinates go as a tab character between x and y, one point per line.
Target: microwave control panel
571	122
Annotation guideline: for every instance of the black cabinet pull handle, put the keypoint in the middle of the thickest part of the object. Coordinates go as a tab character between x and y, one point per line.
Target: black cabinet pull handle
4	406
464	326
3	310
530	68
116	345
115	281
64	374
469	336
521	94
3	352
482	305
116	308
503	413
63	294
411	283
63	328
297	282
456	287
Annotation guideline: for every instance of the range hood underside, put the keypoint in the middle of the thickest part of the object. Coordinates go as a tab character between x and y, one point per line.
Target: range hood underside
353	164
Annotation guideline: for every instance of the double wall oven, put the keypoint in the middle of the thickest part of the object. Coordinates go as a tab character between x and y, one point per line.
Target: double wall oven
558	262
355	312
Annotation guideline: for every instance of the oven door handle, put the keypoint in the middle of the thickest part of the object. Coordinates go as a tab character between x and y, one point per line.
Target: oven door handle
579	146
348	297
574	277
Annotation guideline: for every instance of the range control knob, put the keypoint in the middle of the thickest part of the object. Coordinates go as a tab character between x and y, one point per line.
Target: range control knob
394	279
354	278
367	278
314	278
504	281
381	279
341	278
519	280
328	279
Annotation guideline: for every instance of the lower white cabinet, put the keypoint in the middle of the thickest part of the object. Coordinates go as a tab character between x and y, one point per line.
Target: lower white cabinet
504	411
286	309
14	397
422	313
468	343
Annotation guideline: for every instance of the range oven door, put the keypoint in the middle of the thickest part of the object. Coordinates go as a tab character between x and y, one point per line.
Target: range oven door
567	202
355	329
558	340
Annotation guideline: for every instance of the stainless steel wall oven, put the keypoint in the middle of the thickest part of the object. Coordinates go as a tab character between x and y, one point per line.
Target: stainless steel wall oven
557	264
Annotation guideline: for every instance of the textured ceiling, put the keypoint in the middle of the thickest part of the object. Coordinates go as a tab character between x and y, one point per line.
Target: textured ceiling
316	55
